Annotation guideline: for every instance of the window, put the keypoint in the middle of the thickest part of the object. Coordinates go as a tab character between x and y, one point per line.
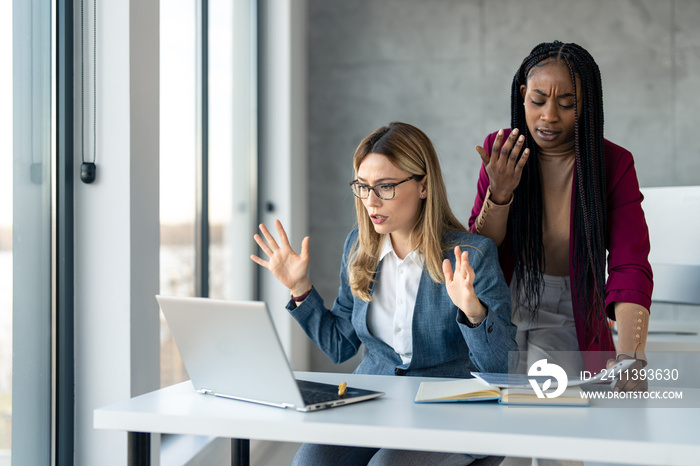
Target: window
232	149
177	168
27	247
6	200
208	121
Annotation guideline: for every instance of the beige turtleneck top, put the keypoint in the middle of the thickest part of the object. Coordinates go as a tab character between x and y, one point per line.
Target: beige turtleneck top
557	177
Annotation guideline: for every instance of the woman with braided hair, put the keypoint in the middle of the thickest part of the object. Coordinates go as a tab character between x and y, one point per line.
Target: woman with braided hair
557	199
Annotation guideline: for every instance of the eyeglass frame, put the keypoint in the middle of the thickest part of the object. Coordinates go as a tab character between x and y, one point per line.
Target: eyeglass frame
372	188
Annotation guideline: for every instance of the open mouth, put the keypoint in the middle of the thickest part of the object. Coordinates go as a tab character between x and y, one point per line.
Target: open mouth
378	219
547	134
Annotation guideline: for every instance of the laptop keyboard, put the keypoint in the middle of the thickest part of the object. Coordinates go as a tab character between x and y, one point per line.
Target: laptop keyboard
313	395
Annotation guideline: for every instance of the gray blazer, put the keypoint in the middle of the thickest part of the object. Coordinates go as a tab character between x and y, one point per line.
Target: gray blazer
443	345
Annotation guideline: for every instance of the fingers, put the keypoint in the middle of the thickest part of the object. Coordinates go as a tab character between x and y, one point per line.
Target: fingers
462	266
282	234
305	249
508	145
496	148
523	160
268	237
447	271
511	148
259	261
464	263
458	259
507	161
516	148
273	246
263	245
468	270
484	155
270	247
505	154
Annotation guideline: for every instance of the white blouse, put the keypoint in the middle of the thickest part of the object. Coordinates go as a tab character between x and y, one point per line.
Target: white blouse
390	314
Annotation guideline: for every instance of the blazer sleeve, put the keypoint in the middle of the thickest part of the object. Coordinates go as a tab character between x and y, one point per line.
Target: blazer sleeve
630	276
331	330
492	344
483	183
481	186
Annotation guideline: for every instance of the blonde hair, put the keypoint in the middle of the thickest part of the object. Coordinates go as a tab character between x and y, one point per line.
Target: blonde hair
410	149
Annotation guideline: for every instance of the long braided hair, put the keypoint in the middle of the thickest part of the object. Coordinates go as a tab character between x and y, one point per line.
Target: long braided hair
589	211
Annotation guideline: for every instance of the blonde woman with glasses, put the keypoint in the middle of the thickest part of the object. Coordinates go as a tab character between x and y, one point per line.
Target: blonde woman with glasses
424	296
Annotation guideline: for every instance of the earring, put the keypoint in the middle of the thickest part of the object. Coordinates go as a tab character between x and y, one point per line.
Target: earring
422	196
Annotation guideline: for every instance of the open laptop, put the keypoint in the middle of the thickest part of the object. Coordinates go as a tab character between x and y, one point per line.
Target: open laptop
231	349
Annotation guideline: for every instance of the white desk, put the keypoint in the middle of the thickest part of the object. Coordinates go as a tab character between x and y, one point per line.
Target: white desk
665	436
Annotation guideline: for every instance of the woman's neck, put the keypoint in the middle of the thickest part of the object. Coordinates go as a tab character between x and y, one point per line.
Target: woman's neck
561	151
558	152
401	244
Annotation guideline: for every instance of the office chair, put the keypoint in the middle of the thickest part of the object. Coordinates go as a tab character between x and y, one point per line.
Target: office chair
673	218
674	230
672	214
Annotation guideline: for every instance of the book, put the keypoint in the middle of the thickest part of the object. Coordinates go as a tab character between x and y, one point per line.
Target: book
502	380
519	388
470	390
572	396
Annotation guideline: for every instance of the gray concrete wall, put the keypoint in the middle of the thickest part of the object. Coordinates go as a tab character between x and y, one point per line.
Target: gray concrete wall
446	66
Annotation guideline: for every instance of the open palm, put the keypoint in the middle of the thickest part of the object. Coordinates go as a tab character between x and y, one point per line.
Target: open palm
504	165
287	266
460	285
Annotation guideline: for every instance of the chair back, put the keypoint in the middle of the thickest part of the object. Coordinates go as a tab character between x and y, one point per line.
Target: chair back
673	218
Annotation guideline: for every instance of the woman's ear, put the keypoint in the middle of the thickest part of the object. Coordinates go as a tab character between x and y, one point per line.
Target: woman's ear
523	89
423	185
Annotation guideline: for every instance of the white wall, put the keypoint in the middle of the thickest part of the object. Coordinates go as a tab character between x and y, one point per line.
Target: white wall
117	226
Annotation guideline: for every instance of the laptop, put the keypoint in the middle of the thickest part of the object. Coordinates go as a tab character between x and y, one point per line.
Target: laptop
231	349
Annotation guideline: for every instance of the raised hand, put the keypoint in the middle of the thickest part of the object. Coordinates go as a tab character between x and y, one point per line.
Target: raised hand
290	268
460	286
502	165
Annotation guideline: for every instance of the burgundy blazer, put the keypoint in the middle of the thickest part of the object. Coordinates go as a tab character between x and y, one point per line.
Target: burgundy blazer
630	277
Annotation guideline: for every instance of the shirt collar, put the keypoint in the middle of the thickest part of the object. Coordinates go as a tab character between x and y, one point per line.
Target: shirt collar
414	255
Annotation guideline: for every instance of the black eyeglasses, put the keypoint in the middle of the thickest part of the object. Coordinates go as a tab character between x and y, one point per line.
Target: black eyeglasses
385	191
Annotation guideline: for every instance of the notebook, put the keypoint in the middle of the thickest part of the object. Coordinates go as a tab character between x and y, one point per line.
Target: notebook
607	375
231	349
465	390
515	388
